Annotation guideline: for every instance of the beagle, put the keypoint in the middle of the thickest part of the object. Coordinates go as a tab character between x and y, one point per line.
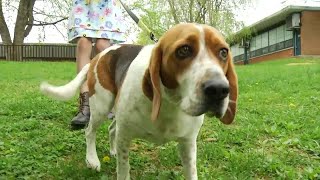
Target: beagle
160	92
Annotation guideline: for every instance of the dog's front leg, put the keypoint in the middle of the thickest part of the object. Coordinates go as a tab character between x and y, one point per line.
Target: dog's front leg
188	154
123	166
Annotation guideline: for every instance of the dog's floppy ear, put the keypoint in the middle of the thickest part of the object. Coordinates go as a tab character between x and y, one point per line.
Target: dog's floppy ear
233	95
154	70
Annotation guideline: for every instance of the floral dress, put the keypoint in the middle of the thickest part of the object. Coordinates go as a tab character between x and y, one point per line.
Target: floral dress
96	19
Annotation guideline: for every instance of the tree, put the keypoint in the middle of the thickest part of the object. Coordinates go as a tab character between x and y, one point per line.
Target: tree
161	15
25	20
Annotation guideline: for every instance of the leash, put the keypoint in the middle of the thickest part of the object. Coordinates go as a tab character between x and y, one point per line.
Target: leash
139	22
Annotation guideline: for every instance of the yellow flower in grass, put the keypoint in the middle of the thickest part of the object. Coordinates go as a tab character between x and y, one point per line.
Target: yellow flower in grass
106	159
292	105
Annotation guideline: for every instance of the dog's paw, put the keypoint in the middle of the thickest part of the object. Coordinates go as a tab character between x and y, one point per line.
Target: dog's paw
113	152
93	163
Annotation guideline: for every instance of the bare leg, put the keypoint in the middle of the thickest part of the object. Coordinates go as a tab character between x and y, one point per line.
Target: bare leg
102	44
84	48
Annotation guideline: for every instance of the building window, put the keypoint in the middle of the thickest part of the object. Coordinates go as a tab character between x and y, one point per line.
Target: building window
280	34
232	50
272	36
237	52
253	44
264	40
265	43
258	42
288	35
271	41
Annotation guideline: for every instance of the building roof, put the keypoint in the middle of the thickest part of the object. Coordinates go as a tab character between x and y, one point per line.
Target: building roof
269	21
280	16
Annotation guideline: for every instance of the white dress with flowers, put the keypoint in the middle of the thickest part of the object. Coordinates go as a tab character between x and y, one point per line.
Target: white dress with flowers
96	19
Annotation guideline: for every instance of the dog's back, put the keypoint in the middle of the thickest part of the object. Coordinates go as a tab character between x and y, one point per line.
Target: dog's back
109	67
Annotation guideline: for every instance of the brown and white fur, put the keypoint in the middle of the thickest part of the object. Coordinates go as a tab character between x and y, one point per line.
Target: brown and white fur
160	92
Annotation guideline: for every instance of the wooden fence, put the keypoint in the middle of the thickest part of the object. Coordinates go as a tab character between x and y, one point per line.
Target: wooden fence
38	52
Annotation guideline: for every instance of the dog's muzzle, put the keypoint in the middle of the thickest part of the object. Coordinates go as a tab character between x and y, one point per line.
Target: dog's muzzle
215	90
215	93
213	99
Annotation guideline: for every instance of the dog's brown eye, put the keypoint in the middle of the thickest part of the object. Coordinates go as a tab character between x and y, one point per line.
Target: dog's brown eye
223	53
184	52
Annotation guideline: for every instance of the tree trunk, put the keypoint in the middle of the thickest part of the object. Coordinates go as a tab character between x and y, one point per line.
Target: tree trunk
191	11
23	27
24	21
173	11
4	31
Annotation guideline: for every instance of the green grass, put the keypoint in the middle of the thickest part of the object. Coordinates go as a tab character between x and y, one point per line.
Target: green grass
276	134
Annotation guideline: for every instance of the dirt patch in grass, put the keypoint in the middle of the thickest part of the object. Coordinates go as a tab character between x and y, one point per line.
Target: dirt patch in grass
299	64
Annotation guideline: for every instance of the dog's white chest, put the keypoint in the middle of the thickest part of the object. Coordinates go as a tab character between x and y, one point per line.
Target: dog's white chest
174	126
171	124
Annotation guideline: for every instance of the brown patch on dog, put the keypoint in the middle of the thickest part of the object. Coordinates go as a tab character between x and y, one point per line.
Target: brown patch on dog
233	95
147	85
91	79
214	42
171	66
154	71
112	68
121	59
104	74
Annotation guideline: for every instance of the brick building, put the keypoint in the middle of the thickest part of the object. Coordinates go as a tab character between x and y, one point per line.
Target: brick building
293	31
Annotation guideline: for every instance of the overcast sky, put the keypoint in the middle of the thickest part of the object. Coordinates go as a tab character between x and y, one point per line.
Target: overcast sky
257	11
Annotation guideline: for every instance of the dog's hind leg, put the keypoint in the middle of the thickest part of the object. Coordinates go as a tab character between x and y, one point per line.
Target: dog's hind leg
112	136
99	107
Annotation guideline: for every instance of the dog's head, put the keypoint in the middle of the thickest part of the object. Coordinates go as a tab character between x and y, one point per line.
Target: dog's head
194	64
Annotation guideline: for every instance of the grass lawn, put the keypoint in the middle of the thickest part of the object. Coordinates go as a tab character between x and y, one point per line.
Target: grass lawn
276	134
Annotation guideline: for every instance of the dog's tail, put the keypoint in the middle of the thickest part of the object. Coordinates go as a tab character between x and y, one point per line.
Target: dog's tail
67	91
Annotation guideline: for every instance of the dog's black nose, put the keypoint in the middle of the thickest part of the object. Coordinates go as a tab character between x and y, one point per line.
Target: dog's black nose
216	89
